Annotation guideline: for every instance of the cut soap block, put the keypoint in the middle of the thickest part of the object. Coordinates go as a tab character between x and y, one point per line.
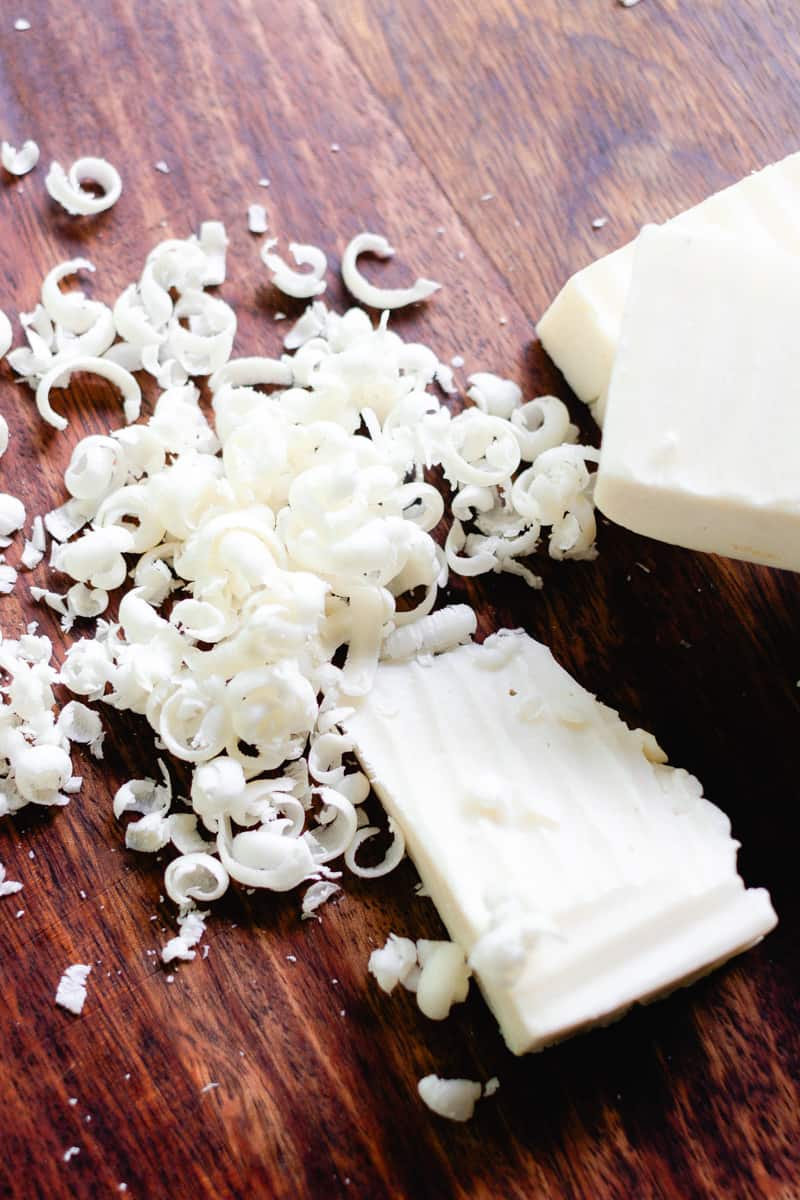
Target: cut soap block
703	417
578	872
581	328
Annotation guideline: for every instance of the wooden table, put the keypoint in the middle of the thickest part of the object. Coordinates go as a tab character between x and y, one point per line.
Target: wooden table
483	137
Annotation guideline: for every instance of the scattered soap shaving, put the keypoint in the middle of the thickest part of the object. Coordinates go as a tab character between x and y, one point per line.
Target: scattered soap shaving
71	991
34	550
71	1153
436	971
599	222
393	962
19	162
257	218
21	24
162	166
317	895
65	186
8	887
192	926
454	1099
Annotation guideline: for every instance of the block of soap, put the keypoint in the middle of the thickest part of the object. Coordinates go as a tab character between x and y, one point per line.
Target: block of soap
703	413
581	328
578	872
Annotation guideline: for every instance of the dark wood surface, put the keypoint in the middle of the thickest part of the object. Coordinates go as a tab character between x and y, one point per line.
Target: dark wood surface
564	112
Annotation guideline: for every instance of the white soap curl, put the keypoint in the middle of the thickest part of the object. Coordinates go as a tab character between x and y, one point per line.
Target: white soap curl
393	857
197	876
263	859
542	424
300	284
316	895
40	772
65	186
71	310
434	634
365	292
494	395
81	724
86	602
122	379
19	162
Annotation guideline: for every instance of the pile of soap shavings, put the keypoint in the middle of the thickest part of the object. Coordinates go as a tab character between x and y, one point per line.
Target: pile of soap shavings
270	560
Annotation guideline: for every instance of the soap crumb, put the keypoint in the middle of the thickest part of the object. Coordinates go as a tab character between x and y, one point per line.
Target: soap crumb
335	147
456	361
71	990
257	218
73	1150
487	196
263	183
491	1086
21	24
599	222
162	167
627	3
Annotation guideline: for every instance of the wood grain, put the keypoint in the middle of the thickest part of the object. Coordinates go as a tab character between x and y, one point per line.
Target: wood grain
564	113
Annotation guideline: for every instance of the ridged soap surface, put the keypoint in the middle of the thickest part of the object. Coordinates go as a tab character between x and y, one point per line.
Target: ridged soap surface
526	803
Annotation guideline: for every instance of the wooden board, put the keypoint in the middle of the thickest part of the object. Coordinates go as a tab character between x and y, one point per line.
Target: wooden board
563	112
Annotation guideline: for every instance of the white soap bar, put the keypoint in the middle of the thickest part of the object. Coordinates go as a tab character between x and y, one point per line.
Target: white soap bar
577	873
703	416
581	328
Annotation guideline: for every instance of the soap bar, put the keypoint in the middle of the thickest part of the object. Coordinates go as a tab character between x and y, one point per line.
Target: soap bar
581	328
703	415
577	871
